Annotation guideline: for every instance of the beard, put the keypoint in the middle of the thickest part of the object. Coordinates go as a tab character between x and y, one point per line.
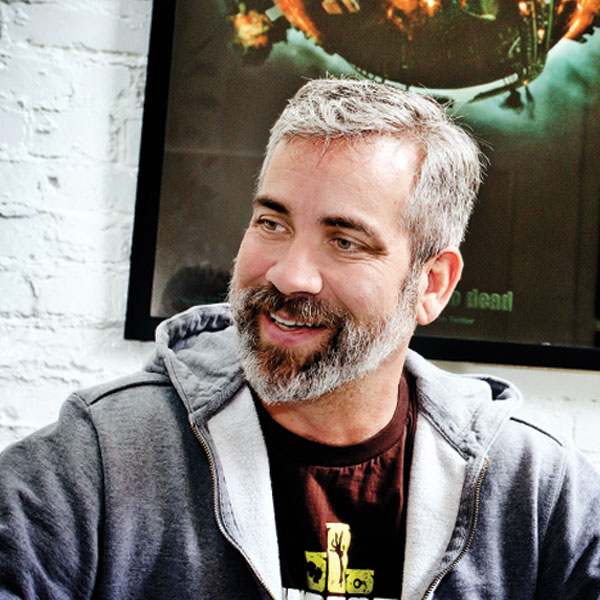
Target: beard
352	350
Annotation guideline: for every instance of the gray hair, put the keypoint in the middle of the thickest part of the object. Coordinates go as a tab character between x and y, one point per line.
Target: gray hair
436	214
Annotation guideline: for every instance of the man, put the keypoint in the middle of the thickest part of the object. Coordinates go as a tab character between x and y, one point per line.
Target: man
305	452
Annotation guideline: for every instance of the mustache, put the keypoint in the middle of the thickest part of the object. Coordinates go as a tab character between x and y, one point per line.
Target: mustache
305	309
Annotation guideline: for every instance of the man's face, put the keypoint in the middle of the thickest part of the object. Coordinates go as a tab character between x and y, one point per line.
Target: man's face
322	290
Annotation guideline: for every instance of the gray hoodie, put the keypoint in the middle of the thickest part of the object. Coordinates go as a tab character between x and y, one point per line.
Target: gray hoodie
158	486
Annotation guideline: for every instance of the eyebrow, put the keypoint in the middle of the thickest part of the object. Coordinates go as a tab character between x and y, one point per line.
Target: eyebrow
271	203
348	223
353	225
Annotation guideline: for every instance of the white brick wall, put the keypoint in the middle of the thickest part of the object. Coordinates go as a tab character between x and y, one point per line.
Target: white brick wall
71	93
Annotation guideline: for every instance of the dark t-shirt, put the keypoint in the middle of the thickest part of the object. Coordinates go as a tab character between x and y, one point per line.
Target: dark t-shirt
340	511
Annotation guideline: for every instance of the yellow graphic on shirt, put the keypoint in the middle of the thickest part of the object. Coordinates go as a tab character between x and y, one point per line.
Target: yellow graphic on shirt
359	581
316	570
332	566
338	542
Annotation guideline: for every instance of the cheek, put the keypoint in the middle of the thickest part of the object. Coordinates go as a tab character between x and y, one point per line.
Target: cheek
363	293
251	265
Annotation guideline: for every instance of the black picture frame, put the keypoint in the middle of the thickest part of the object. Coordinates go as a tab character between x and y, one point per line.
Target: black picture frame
140	323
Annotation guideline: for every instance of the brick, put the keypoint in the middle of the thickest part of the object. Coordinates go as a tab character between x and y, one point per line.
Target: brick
117	241
19	192
23	238
71	133
17	294
103	85
129	137
37	82
64	184
92	237
75	350
77	26
75	237
14	129
82	290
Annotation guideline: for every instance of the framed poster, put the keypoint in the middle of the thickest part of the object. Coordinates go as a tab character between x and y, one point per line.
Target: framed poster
522	75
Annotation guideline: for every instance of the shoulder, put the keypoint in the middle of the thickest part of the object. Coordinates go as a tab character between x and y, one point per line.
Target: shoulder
115	414
136	391
525	437
122	386
129	412
529	458
532	465
527	446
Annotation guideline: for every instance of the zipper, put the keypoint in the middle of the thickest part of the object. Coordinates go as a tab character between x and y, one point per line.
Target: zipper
442	574
220	526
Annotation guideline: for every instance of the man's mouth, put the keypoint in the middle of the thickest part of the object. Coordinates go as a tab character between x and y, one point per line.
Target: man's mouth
288	324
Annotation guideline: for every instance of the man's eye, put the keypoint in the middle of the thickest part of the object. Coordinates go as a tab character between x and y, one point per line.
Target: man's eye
344	244
268	224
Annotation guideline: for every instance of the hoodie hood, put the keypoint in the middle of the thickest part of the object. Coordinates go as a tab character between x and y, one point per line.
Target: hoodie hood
197	350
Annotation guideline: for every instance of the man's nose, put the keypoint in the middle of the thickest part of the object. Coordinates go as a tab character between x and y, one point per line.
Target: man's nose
296	271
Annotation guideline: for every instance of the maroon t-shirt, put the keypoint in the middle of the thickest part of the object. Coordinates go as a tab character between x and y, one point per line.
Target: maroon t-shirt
340	510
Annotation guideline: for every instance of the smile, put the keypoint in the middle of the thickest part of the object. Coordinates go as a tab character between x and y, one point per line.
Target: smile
289	324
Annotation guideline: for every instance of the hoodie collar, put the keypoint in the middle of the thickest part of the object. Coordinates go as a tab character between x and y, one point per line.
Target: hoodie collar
468	410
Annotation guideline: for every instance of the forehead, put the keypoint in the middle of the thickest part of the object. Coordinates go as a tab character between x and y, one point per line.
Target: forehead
374	171
374	149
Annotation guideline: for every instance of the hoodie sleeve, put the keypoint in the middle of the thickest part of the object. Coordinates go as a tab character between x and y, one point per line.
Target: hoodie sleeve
570	554
50	510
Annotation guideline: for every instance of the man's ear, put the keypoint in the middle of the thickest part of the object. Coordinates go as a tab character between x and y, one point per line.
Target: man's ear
438	279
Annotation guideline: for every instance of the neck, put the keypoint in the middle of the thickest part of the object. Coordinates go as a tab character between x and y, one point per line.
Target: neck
350	414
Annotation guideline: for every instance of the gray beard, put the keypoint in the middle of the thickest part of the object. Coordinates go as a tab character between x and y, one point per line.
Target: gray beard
353	350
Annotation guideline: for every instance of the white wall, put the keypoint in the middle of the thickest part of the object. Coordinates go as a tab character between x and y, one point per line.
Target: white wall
71	95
